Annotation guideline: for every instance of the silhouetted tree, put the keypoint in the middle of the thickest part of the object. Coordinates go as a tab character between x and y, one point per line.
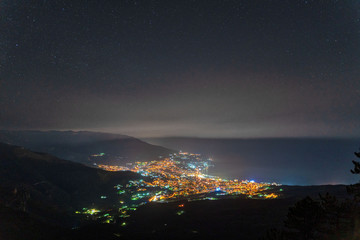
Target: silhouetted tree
355	188
338	218
18	199
326	219
303	219
274	234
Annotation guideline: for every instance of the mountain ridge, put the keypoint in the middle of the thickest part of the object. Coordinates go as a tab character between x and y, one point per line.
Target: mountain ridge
80	146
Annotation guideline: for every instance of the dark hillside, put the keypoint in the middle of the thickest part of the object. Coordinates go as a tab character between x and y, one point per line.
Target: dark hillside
44	185
86	147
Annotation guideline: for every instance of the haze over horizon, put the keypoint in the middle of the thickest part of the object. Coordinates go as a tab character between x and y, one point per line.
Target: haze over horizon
144	135
191	68
290	161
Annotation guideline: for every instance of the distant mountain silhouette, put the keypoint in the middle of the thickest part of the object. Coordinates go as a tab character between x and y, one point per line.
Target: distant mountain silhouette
79	146
52	189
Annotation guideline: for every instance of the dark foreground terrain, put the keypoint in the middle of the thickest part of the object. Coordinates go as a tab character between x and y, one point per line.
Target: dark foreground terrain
40	193
220	219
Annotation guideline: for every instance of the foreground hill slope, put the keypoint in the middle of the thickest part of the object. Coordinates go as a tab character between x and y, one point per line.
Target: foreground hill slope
86	147
51	188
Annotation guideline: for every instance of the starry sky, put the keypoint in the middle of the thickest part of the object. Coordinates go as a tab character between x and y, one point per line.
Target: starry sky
205	68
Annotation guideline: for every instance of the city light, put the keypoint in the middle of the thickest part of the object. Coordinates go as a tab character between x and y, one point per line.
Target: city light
184	175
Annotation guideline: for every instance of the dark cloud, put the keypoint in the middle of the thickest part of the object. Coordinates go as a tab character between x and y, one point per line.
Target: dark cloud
186	68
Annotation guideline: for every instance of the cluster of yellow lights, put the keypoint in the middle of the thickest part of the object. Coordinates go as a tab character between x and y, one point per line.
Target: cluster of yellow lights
111	168
182	182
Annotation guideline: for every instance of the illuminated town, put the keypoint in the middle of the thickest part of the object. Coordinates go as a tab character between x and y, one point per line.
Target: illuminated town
181	176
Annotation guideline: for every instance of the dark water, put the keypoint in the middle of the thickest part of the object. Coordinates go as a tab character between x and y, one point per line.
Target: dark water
286	161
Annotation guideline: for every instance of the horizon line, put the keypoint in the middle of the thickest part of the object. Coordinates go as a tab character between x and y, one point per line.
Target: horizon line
182	137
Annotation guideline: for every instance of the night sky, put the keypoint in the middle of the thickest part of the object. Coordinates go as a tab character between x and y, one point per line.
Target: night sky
182	68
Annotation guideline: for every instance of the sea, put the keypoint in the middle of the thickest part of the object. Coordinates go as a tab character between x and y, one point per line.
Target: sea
288	161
